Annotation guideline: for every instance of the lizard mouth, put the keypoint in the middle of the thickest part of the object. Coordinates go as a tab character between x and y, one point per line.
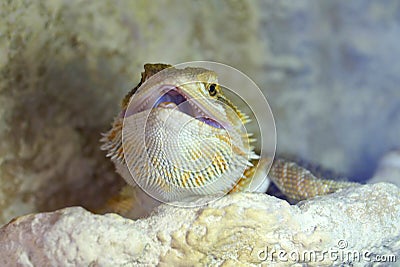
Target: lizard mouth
175	99
172	97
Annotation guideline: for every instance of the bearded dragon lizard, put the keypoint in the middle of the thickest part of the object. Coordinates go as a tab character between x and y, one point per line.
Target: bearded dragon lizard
174	162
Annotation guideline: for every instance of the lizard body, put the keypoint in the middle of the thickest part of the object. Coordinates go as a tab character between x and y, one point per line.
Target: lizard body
181	137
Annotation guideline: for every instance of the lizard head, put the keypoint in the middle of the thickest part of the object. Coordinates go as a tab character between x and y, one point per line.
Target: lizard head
193	91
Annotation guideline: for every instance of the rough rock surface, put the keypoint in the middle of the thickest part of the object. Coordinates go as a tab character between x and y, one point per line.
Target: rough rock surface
236	230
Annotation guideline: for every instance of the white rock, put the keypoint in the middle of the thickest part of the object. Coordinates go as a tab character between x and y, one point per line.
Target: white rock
236	230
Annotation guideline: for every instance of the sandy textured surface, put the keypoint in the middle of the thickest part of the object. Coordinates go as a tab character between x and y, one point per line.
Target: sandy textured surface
237	230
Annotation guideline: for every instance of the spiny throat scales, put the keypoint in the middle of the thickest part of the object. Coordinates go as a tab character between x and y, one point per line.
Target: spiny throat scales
178	136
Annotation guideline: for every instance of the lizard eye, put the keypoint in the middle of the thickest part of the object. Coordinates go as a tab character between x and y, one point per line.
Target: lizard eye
212	90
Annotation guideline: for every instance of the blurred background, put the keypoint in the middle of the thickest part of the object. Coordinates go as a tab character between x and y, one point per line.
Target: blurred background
329	69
